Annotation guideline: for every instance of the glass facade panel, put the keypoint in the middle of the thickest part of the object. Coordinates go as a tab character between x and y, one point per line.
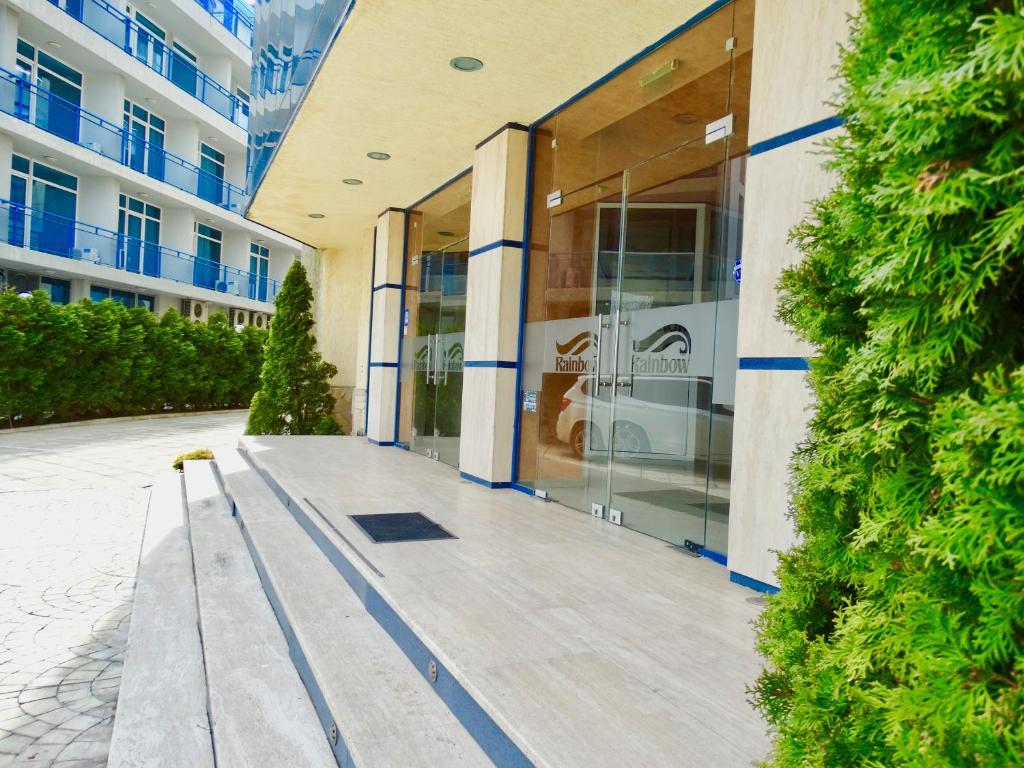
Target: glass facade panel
630	337
288	44
434	323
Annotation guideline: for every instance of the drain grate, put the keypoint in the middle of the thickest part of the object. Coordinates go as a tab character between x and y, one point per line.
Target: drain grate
400	526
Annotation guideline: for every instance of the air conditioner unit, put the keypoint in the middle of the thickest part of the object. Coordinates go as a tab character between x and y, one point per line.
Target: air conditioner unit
238	317
260	320
94	146
23	282
195	310
91	254
232	288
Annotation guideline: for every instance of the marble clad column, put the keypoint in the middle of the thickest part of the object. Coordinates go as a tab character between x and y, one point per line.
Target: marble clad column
494	280
796	46
388	256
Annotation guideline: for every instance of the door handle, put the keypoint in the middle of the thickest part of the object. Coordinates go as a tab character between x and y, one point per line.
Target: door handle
437	358
601	325
429	369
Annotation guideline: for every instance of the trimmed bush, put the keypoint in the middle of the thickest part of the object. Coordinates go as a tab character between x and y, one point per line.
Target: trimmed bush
199	454
898	636
294	396
91	360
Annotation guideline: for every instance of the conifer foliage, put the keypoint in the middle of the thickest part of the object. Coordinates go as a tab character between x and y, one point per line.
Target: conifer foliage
294	397
898	636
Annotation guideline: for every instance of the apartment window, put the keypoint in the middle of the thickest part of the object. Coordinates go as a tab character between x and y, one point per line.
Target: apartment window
184	68
59	290
56	107
126	298
207	266
143	140
211	176
243	107
138	225
259	267
147	40
52	196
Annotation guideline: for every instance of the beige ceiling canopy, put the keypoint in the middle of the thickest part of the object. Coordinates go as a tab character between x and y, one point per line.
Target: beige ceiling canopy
386	86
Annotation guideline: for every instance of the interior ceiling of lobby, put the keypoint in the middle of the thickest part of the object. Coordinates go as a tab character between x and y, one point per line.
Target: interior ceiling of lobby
386	85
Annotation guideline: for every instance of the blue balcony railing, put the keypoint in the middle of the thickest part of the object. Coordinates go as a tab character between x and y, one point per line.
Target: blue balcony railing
140	42
38	230
22	99
236	17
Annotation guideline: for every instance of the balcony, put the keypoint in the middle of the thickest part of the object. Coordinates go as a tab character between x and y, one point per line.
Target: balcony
234	16
22	99
140	43
25	227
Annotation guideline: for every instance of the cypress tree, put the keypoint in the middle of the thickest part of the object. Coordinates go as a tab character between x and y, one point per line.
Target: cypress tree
294	397
898	636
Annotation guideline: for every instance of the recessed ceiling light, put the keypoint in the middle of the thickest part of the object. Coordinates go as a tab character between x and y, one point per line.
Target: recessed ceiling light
466	64
150	100
316	215
143	194
260	242
378	155
352	182
209	221
53	43
446	233
51	158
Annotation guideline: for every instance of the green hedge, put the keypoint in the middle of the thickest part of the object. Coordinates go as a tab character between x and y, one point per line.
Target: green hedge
90	360
898	636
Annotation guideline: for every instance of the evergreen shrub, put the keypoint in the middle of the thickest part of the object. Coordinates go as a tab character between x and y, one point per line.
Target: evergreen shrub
294	396
898	636
99	359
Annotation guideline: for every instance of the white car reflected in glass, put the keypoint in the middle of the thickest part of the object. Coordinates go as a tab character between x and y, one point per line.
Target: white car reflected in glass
656	417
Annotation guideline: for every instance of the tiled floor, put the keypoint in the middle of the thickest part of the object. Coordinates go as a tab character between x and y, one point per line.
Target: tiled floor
73	502
597	646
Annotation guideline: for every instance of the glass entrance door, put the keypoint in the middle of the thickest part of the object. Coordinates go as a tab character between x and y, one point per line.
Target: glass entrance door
437	353
434	323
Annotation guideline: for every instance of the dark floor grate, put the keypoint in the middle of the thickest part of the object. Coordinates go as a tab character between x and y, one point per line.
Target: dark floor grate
400	526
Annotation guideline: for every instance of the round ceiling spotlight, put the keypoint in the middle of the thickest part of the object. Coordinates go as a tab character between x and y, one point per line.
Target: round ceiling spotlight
446	233
316	216
352	182
378	155
466	64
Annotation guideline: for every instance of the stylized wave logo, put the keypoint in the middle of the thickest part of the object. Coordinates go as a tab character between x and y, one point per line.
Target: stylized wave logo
454	353
577	343
663	338
421	355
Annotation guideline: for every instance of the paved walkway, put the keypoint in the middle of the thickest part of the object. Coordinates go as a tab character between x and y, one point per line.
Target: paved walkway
73	503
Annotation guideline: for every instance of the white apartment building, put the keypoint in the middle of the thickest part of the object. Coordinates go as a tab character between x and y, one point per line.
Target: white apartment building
123	131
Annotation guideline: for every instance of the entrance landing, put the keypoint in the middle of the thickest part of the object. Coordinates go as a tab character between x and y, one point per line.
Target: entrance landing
585	643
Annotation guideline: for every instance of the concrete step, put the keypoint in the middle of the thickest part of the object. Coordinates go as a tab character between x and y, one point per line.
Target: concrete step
383	711
161	717
259	710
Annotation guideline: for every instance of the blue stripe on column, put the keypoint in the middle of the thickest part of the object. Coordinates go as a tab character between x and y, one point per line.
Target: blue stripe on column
401	322
523	489
489	364
369	336
387	285
383	365
774	364
760	147
481	481
523	268
746	581
496	244
382	443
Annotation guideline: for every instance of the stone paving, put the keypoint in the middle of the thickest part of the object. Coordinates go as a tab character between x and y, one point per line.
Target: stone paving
73	503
